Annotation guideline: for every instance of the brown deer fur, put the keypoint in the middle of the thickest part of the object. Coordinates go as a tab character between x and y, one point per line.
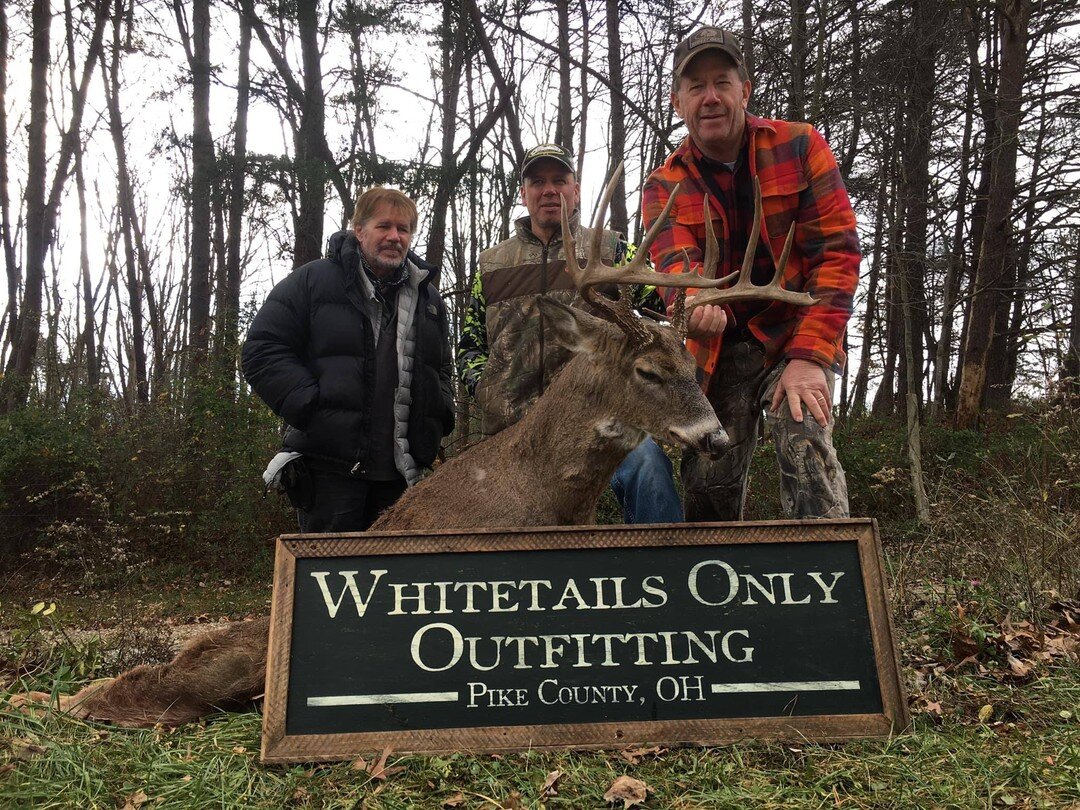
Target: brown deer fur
548	469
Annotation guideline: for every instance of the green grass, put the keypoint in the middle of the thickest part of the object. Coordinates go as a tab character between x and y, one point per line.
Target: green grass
1021	751
960	763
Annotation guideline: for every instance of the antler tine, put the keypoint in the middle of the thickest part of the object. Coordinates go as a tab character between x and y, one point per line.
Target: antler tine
712	248
744	288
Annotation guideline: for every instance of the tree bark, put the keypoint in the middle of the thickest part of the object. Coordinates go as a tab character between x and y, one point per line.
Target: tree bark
229	303
1070	368
15	386
797	87
202	176
565	128
12	271
617	147
954	271
1013	21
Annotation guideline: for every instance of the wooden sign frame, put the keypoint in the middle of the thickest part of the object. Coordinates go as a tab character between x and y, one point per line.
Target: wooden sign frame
281	747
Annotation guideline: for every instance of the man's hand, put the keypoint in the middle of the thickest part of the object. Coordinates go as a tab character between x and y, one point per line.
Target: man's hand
705	322
804	382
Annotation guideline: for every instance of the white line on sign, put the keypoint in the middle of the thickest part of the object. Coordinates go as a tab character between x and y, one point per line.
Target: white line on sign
379	700
784	686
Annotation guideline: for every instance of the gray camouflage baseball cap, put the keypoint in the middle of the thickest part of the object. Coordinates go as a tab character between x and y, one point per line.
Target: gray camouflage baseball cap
705	39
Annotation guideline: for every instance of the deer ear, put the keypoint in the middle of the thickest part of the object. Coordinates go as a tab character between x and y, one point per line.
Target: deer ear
574	328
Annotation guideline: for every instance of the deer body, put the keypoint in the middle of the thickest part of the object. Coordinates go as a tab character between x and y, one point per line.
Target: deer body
551	467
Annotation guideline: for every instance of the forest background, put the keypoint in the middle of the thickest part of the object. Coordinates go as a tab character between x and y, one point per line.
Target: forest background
162	164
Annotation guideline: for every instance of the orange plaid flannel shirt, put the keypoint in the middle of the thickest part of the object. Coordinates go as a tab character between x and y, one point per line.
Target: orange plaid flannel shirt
801	183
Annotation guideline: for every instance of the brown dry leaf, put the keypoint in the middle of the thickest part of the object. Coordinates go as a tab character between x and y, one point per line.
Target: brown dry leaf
11	766
964	646
360	764
239	750
629	790
548	788
513	802
634	756
1021	670
455	800
933	708
135	800
25	748
378	769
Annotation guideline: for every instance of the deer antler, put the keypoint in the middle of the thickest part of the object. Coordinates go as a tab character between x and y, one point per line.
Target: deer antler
744	288
595	273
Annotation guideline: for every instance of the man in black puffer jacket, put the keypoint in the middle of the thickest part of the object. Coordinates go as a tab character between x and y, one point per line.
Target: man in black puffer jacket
353	352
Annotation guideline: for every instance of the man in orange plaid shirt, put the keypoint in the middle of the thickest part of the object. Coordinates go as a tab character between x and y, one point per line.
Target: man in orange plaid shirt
762	356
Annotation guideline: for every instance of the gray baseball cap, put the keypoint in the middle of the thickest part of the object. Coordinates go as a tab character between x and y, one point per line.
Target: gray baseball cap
705	39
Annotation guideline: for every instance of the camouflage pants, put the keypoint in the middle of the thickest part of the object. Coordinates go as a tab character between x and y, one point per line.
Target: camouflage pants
812	483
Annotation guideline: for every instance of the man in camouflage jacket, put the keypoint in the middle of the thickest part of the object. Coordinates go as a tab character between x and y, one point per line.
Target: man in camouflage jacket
506	357
774	357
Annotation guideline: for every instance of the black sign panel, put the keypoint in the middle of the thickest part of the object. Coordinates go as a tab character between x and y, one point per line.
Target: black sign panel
606	630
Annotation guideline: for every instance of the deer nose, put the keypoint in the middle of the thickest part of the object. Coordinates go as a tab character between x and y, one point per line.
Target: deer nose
715	443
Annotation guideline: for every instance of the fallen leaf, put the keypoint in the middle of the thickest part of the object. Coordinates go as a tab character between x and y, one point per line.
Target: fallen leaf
627	789
635	755
933	708
1019	669
985	713
548	788
239	749
376	769
513	802
135	800
6	768
455	800
25	748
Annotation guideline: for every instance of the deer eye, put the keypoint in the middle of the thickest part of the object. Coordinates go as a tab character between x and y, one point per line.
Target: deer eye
648	376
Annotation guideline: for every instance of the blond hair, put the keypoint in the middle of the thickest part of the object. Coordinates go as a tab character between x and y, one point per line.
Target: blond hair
371	200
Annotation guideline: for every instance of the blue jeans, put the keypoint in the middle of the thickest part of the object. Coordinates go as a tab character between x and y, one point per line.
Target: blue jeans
645	486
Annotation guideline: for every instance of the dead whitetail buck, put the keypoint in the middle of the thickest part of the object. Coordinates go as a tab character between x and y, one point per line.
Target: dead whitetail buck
629	377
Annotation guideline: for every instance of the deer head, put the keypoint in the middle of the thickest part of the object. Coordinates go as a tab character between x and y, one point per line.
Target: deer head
645	365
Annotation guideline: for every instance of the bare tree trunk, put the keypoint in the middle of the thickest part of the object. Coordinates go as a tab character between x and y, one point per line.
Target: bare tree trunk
797	87
1014	16
926	26
311	169
565	129
585	94
197	45
126	201
748	37
862	376
914	428
87	338
15	386
619	220
229	303
954	272
12	271
453	57
1004	381
1070	368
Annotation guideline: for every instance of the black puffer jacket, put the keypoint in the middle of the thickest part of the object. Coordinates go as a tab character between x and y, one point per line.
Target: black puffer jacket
310	355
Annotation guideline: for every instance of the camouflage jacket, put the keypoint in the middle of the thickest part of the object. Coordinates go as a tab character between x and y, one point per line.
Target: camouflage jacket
506	356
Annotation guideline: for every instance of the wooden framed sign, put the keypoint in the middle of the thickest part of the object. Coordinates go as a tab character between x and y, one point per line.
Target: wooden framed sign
579	637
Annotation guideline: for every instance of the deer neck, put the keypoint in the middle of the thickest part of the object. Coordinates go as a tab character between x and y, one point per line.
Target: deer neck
573	441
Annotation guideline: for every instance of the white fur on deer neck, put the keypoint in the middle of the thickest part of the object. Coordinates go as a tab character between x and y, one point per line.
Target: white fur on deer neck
619	433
